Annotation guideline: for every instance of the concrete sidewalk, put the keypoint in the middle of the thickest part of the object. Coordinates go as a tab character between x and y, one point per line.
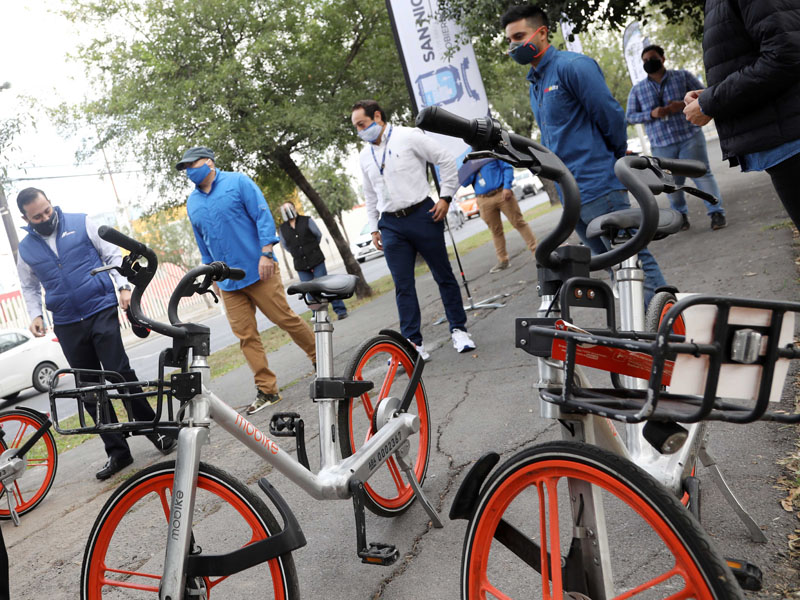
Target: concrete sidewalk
479	401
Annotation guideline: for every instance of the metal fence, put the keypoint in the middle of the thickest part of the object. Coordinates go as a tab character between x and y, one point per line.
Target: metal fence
14	314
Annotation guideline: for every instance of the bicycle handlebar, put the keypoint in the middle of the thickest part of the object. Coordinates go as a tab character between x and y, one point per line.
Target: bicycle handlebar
141	276
487	134
683	167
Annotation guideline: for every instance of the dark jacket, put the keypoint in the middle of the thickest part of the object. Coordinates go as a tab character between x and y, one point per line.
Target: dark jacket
751	50
71	292
302	244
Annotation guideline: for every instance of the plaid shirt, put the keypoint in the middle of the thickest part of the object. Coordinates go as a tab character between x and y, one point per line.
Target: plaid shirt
649	94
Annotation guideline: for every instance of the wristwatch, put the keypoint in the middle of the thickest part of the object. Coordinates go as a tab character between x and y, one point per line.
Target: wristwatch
447	199
124	288
269	255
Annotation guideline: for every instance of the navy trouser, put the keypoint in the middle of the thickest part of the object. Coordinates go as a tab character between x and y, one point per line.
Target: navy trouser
402	238
96	343
318	271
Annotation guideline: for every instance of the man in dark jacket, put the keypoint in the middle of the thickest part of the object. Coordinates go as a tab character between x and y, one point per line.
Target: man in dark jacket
751	50
58	254
300	237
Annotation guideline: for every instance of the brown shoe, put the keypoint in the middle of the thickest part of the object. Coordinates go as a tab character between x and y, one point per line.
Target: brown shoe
263	400
501	266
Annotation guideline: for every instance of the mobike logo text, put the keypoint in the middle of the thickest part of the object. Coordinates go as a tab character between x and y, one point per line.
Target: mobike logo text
254	433
177	513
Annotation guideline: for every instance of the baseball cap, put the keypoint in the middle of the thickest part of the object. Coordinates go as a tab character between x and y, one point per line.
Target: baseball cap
192	154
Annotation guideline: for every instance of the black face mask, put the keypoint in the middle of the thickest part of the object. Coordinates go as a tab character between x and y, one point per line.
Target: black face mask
46	228
653	65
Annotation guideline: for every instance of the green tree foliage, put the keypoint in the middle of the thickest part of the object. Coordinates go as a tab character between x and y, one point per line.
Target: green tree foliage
335	185
170	235
263	82
482	17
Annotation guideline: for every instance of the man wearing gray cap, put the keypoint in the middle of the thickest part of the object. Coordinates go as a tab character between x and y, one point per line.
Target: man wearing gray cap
233	224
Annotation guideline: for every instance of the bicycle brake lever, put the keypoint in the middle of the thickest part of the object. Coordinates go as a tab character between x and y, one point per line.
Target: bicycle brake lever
104	268
205	288
701	194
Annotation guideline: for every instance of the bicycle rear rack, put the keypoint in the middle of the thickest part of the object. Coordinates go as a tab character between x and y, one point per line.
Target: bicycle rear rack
727	373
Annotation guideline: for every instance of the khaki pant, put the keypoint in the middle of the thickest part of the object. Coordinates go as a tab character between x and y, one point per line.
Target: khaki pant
491	205
270	298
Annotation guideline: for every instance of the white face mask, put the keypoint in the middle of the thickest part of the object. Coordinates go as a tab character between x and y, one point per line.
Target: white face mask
288	213
371	133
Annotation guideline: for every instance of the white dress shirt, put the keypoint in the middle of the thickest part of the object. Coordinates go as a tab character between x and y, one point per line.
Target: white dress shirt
404	181
31	286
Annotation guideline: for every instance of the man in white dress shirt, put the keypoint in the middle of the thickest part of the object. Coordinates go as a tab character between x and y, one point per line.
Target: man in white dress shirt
403	218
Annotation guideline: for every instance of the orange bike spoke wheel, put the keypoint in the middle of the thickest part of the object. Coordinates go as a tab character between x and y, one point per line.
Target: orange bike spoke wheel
388	365
42	461
538	505
125	554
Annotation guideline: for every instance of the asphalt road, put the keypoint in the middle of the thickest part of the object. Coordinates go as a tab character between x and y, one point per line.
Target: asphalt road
478	401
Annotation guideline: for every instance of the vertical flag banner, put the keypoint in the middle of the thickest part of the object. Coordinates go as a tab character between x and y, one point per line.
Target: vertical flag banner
437	74
633	42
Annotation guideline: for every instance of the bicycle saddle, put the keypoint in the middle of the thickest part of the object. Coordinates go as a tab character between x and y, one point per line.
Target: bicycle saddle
669	222
328	287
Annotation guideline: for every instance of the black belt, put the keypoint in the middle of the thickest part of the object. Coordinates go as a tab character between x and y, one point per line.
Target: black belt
404	212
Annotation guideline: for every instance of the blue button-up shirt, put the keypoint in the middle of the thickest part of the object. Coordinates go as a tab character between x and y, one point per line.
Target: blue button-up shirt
491	176
761	161
579	118
231	223
649	94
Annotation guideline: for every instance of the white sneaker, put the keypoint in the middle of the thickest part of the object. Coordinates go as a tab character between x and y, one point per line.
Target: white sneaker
462	341
421	349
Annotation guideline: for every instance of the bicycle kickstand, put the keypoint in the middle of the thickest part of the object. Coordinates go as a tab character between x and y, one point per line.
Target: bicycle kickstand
412	480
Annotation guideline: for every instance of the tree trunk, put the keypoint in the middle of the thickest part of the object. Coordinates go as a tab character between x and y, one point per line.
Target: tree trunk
284	160
552	193
344	230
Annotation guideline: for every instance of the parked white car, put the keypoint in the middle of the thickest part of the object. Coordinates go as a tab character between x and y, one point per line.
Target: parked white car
363	248
27	361
526	184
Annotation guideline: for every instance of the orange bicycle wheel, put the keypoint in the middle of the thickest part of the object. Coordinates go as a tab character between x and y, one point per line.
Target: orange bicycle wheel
124	556
42	461
538	532
385	362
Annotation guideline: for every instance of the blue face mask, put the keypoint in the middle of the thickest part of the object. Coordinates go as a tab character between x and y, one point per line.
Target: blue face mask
525	52
371	133
198	174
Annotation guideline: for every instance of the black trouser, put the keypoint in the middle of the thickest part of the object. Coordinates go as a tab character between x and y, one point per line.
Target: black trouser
96	343
784	178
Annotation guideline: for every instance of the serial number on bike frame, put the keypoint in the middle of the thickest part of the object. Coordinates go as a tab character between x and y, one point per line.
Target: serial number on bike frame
385	451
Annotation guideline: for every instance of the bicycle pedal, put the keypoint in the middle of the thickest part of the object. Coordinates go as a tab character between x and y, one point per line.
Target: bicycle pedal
284	424
379	554
747	574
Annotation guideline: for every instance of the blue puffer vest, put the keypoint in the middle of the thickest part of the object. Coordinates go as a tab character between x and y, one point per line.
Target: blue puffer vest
71	293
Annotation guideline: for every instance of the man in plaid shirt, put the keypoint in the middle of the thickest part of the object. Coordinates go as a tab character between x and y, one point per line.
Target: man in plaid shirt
658	103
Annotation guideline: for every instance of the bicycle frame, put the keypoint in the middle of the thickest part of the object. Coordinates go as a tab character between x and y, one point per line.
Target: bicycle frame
332	482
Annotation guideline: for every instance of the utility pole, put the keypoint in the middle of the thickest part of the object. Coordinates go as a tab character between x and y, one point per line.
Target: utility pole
8	221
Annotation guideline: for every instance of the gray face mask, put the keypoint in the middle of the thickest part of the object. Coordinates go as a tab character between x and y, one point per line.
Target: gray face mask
288	213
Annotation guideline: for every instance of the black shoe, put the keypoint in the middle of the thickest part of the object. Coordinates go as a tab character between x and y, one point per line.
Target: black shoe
114	465
341	316
685	225
718	221
163	443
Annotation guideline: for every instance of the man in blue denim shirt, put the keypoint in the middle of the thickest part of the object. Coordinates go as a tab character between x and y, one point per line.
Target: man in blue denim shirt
580	121
492	185
657	102
232	223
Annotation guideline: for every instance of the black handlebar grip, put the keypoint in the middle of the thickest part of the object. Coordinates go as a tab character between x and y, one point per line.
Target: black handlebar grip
437	120
236	274
118	238
683	167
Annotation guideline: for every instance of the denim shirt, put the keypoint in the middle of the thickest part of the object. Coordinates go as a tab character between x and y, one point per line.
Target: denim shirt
231	223
580	120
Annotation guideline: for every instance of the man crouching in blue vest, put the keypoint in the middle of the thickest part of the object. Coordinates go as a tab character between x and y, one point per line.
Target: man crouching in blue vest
59	252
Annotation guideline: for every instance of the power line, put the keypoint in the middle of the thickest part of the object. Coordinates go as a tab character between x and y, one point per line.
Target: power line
76	175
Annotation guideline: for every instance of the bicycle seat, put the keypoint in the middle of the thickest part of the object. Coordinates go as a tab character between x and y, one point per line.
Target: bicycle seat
669	222
328	287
